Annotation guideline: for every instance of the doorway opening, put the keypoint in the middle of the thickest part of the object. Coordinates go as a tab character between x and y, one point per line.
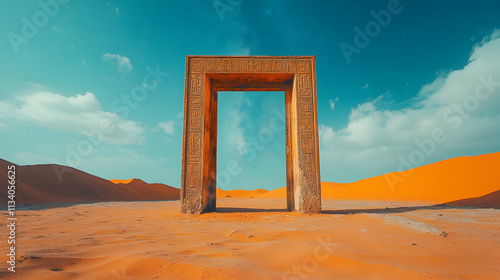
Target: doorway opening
251	150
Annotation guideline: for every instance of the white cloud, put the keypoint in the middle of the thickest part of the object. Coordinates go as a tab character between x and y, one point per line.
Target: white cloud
122	61
237	42
117	11
167	126
180	115
4	110
366	86
232	128
35	85
464	104
80	114
332	102
242	50
236	136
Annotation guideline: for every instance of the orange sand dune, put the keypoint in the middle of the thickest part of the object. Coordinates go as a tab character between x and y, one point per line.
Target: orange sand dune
117	181
491	200
240	193
444	181
51	183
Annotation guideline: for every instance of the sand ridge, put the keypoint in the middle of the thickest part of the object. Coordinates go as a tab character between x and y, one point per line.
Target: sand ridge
52	183
440	182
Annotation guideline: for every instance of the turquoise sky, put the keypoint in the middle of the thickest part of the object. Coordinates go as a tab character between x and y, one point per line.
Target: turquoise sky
99	85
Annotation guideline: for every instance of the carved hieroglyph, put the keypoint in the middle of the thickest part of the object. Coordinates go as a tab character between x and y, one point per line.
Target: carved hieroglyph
205	77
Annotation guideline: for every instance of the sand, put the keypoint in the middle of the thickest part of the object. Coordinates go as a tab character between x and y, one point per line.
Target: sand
370	229
256	239
240	193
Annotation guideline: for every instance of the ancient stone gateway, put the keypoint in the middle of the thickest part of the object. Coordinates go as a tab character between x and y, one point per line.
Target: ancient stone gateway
205	77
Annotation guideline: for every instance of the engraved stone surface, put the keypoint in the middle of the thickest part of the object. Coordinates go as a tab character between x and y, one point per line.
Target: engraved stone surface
205	77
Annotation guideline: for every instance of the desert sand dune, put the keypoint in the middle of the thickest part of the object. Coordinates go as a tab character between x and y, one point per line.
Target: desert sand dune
491	200
440	182
240	193
40	184
118	181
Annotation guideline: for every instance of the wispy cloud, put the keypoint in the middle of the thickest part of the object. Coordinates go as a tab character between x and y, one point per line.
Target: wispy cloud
242	50
332	102
35	85
233	128
123	62
167	126
80	114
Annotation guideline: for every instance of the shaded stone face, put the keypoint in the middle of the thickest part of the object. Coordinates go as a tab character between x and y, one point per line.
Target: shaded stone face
205	77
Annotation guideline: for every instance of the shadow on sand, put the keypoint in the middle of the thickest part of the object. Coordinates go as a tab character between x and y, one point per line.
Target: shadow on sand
247	210
27	207
386	210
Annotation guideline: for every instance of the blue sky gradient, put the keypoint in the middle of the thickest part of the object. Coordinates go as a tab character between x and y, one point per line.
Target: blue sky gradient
69	67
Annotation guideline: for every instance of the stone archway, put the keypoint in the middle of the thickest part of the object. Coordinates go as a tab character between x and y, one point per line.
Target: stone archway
205	77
